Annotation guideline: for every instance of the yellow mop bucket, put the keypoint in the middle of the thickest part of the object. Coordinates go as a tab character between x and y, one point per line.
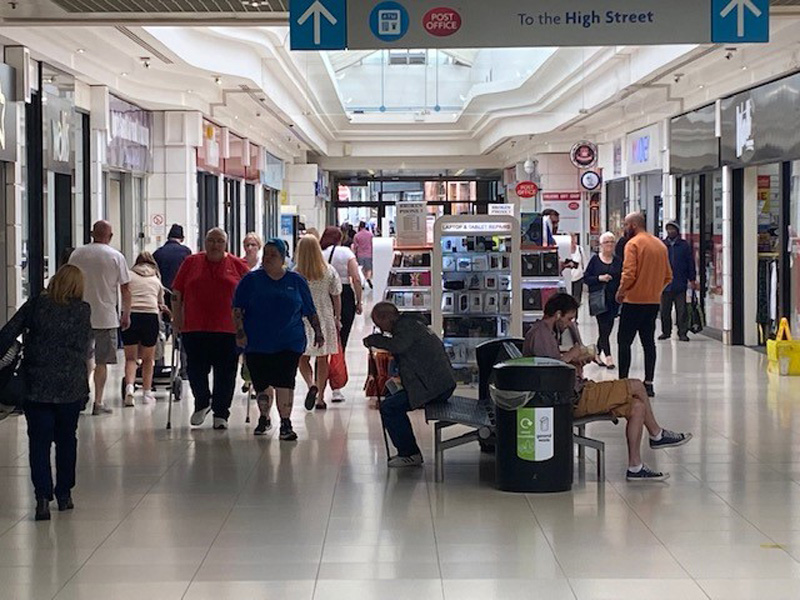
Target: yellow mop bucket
783	352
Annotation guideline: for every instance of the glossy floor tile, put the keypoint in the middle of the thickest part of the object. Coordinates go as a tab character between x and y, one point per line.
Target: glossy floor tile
199	514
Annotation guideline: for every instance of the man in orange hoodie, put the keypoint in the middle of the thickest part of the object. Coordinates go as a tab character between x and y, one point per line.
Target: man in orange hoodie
645	274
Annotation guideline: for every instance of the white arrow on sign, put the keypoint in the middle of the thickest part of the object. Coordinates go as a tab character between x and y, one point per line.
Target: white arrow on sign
740	6
317	10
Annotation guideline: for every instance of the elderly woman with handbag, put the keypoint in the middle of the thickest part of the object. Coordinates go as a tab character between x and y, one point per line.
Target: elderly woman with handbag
602	276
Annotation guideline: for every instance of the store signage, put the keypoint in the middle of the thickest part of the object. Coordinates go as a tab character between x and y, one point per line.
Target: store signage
644	150
442	22
318	24
762	125
590	180
527	189
478	227
8	114
58	133
128	136
617	158
570	209
411	224
506	210
693	141
583	155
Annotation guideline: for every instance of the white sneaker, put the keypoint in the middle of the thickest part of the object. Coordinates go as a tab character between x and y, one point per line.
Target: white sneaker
149	398
406	461
199	416
128	402
220	423
337	396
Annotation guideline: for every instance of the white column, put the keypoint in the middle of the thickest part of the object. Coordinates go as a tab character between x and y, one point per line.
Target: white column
301	187
727	255
12	229
750	244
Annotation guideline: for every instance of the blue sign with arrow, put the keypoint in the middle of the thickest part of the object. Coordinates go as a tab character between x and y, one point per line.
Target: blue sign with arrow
739	21
318	24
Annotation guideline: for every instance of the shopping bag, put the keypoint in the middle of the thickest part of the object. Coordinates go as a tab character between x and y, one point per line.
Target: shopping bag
337	370
697	320
783	353
377	373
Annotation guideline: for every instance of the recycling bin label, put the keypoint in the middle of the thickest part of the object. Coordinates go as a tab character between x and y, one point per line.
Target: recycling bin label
535	434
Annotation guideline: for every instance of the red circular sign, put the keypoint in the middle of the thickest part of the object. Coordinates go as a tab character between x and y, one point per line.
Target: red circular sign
574	205
441	21
527	189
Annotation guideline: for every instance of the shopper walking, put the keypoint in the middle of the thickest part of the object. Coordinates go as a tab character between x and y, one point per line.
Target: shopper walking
140	339
576	271
252	246
57	336
362	247
201	311
602	276
344	261
684	276
170	257
326	291
106	277
645	274
269	308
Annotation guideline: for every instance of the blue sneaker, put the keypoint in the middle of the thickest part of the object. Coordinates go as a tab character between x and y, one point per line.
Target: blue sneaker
670	439
646	474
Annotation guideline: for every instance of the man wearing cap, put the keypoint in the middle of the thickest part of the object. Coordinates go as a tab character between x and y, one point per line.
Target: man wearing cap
684	275
170	257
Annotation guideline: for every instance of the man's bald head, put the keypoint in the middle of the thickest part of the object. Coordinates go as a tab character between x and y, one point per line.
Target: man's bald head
635	222
102	232
385	315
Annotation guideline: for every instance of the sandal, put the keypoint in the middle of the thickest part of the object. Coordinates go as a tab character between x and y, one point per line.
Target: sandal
311	397
321	406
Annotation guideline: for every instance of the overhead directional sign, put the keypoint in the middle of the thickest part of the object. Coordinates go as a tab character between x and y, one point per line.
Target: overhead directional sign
375	24
318	24
740	21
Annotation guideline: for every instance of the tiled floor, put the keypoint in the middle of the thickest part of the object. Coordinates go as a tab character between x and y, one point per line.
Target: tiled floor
201	514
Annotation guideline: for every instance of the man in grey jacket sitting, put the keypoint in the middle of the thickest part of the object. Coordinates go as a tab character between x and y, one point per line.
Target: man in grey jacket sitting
425	374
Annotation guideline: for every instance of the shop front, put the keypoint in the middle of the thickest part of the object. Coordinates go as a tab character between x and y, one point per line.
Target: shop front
8	156
645	167
694	160
251	188
272	184
617	205
128	161
235	173
761	144
209	169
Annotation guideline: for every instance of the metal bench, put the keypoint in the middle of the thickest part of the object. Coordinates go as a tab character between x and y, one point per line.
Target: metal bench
476	414
582	442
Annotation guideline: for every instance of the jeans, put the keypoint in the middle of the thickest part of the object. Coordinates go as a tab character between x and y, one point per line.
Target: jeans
637	319
47	424
348	313
206	351
667	300
394	411
605	325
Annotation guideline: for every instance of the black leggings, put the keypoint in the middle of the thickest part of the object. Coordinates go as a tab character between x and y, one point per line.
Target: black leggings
348	313
641	319
605	325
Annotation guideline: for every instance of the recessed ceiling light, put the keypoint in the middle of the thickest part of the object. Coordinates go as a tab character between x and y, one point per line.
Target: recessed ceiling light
744	68
236	117
701	86
190	91
218	80
123	74
80	50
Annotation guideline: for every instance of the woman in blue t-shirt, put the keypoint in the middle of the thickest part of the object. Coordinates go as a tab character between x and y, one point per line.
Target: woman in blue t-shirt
268	309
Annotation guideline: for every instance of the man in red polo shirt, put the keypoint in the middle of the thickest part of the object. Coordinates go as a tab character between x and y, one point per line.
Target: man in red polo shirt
201	311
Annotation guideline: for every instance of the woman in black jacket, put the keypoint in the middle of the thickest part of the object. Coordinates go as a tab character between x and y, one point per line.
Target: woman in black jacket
603	273
56	341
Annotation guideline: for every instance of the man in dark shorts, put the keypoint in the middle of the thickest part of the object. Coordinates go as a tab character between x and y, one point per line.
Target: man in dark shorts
269	306
556	336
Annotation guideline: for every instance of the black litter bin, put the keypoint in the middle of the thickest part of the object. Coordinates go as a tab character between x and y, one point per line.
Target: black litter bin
533	409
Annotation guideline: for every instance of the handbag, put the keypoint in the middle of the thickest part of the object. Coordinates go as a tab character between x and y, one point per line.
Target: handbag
783	353
597	302
695	315
13	388
337	370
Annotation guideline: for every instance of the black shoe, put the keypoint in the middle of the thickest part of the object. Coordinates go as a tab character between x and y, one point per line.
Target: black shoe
664	336
683	338
42	510
65	503
651	393
287	434
264	425
369	283
311	397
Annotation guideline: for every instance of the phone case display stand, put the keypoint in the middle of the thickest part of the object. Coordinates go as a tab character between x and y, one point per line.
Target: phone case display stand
478	297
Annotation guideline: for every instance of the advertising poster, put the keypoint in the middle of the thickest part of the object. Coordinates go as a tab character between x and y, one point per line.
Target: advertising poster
570	208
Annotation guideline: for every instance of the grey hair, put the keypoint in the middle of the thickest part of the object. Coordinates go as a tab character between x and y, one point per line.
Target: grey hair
217	230
608	236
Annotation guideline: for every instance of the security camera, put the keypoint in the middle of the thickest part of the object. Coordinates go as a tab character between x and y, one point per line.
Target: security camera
729	52
677	77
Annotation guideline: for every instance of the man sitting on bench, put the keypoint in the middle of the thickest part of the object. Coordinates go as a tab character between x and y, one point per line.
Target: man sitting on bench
556	336
425	375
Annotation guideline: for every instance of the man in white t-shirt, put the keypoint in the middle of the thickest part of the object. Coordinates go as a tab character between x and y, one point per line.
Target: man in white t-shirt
104	271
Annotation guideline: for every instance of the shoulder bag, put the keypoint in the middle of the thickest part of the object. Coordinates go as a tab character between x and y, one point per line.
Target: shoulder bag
597	302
